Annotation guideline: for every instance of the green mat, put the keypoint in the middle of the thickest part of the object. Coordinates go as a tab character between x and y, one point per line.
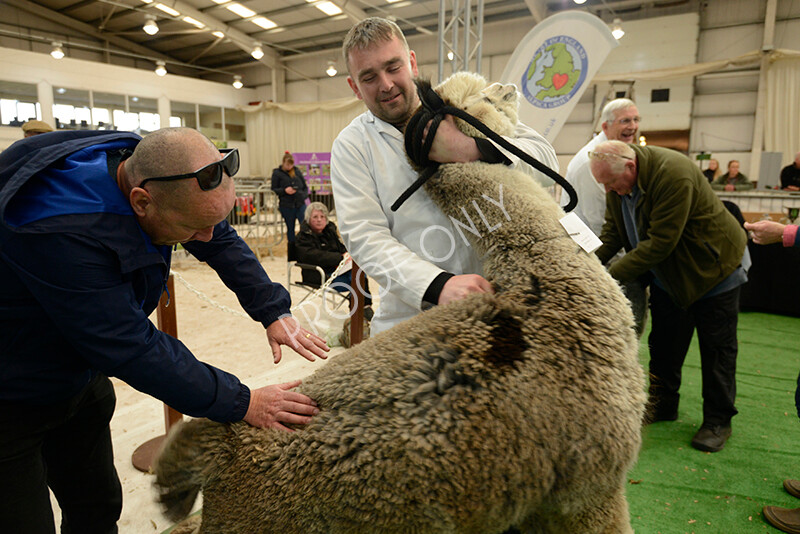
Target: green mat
675	489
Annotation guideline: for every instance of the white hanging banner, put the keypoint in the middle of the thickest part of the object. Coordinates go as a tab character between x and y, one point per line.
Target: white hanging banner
553	65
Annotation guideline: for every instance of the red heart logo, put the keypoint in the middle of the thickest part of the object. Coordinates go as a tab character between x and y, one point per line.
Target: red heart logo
559	80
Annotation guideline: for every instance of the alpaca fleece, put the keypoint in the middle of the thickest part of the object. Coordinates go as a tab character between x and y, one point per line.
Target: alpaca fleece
522	408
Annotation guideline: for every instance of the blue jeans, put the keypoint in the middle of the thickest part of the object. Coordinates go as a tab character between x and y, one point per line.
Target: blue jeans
289	216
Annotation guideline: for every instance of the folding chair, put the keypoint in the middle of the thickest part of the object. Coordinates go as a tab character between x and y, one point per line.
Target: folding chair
311	279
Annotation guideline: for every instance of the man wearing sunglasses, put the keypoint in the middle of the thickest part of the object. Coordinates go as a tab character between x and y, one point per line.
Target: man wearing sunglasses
86	232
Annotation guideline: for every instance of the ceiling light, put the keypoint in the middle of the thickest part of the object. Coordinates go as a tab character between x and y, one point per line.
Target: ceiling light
240	10
134	99
450	55
161	68
392	1
617	30
329	8
264	22
257	52
61	90
579	2
168	10
150	26
237	81
331	70
147	1
193	22
218	34
57	52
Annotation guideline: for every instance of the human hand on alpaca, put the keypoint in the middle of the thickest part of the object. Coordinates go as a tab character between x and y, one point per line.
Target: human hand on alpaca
451	145
271	406
287	331
463	285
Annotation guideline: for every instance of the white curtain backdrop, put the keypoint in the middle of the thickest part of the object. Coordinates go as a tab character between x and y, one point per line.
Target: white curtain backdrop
272	129
782	117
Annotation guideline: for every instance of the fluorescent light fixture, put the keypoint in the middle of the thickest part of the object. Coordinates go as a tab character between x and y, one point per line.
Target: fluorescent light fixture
328	8
221	1
240	10
579	2
257	52
331	70
193	22
218	34
264	22
392	1
57	52
147	1
150	26
617	30
168	10
237	81
161	68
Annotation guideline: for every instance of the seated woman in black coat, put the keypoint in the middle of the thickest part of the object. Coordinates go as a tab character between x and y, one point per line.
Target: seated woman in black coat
318	243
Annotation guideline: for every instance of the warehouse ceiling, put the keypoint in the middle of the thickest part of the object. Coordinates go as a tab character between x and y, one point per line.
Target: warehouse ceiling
209	38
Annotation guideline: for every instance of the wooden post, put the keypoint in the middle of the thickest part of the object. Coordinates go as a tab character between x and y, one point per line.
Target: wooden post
357	280
145	454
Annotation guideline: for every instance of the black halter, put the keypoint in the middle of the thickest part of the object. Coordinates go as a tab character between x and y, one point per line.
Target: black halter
433	110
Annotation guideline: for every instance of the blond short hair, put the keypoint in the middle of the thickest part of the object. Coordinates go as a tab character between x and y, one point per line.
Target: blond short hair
368	32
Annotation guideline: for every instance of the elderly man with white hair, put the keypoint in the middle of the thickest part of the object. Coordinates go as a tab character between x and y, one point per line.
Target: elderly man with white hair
620	122
660	208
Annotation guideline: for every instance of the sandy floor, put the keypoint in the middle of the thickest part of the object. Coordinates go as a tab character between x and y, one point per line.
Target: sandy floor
221	338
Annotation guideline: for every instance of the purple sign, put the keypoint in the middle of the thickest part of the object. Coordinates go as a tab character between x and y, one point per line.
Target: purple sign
316	167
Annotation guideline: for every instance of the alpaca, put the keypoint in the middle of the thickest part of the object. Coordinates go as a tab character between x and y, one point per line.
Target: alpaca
520	408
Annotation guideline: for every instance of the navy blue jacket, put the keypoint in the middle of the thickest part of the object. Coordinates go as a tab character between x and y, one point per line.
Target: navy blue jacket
79	278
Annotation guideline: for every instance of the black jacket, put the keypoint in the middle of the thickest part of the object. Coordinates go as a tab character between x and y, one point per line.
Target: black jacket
324	249
281	180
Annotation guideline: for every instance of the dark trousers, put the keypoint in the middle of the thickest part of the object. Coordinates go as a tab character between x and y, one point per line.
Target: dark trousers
290	215
66	447
715	319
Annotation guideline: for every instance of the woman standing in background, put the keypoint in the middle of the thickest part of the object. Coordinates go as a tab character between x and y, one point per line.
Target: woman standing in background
290	186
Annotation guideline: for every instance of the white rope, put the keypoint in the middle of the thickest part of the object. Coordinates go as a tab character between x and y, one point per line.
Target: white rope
226	309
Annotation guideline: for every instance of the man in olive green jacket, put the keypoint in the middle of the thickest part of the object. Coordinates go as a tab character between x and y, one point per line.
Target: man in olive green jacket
660	208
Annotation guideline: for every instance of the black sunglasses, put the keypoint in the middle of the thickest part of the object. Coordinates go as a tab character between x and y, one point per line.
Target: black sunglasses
209	176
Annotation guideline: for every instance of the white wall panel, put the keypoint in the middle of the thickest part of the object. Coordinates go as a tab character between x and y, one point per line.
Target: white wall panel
724	43
729	134
719	105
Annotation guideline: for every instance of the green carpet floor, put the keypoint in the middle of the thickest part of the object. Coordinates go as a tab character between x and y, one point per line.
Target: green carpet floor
675	488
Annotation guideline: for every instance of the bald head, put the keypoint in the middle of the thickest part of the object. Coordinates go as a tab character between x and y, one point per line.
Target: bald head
167	152
175	211
613	165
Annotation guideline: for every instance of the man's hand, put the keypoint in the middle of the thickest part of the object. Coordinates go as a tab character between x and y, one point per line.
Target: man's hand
272	406
290	190
730	187
287	331
463	285
791	188
451	145
765	232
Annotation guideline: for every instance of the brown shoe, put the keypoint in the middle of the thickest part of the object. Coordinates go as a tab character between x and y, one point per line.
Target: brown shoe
792	487
783	519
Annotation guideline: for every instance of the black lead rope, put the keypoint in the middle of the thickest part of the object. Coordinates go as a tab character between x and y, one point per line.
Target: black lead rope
433	110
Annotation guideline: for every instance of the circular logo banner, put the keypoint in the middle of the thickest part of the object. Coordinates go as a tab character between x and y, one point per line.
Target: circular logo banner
556	72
